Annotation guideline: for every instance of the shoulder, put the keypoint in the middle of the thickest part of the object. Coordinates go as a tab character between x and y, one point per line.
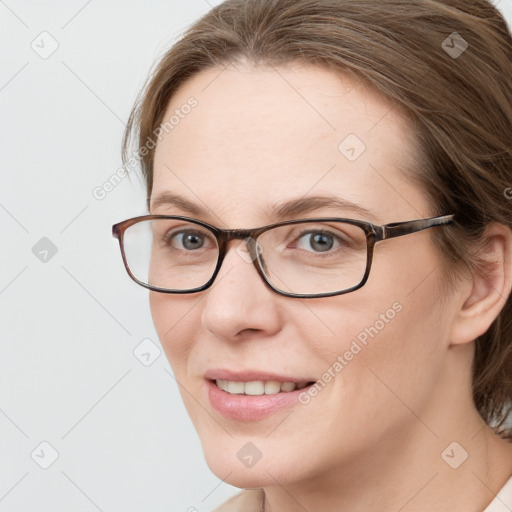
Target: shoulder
249	500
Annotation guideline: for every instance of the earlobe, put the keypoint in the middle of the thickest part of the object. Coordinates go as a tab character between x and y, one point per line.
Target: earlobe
489	287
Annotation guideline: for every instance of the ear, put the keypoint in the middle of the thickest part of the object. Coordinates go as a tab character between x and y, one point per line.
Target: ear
487	289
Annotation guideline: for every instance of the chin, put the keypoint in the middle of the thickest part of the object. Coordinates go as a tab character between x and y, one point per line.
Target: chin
231	461
246	478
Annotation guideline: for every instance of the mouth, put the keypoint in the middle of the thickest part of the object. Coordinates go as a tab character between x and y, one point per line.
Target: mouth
250	399
259	387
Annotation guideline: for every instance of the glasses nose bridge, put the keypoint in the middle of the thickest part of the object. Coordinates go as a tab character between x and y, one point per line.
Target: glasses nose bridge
226	235
248	236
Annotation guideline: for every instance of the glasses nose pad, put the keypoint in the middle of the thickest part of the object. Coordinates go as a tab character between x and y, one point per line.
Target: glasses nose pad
249	250
255	249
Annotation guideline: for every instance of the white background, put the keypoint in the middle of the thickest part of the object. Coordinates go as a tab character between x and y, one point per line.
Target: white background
68	375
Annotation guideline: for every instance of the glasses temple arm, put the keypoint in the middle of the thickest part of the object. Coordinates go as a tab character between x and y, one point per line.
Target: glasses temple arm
395	229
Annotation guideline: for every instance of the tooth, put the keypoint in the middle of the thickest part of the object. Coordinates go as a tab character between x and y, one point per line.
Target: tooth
272	387
235	387
254	388
287	386
221	384
258	387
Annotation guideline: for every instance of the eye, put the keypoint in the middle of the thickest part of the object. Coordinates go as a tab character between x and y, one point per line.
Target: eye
188	240
318	241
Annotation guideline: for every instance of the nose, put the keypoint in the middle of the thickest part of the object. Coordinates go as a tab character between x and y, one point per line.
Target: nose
239	302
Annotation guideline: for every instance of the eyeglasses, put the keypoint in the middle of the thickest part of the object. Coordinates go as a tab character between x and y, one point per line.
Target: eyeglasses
304	258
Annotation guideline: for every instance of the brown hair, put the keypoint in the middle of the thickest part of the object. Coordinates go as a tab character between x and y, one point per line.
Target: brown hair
460	104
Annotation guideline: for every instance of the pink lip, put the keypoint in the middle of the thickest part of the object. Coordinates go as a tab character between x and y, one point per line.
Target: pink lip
251	375
249	407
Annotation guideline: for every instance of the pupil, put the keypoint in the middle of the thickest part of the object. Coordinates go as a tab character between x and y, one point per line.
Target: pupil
192	241
321	242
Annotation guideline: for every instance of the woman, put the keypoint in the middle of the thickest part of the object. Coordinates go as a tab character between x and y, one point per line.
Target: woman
341	357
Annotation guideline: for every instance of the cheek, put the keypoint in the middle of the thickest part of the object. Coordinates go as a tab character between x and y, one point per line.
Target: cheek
386	339
383	354
406	277
173	317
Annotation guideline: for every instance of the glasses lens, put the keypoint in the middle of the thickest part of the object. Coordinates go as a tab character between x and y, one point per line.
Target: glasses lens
310	257
170	254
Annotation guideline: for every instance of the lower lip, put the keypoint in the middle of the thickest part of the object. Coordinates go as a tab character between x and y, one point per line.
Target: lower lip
250	407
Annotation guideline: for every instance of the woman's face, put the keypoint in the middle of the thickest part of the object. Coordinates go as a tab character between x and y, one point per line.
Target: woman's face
257	139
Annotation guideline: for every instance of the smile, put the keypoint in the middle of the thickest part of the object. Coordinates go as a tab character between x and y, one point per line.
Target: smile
253	400
258	387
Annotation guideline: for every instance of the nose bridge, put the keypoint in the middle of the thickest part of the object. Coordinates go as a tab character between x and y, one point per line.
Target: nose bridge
226	235
253	256
237	301
248	237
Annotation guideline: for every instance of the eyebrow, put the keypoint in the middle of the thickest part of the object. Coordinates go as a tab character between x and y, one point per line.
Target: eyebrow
276	212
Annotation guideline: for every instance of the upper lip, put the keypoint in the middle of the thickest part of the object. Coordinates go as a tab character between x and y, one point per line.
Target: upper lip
251	375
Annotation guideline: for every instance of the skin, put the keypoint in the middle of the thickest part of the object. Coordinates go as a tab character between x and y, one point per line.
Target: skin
372	439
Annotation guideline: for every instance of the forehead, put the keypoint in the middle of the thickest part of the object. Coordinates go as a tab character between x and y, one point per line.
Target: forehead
259	135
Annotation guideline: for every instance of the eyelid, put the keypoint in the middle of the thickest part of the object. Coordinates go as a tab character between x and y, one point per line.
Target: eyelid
173	232
309	231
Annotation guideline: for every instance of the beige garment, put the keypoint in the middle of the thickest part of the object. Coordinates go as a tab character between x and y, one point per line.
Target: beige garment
503	501
251	500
